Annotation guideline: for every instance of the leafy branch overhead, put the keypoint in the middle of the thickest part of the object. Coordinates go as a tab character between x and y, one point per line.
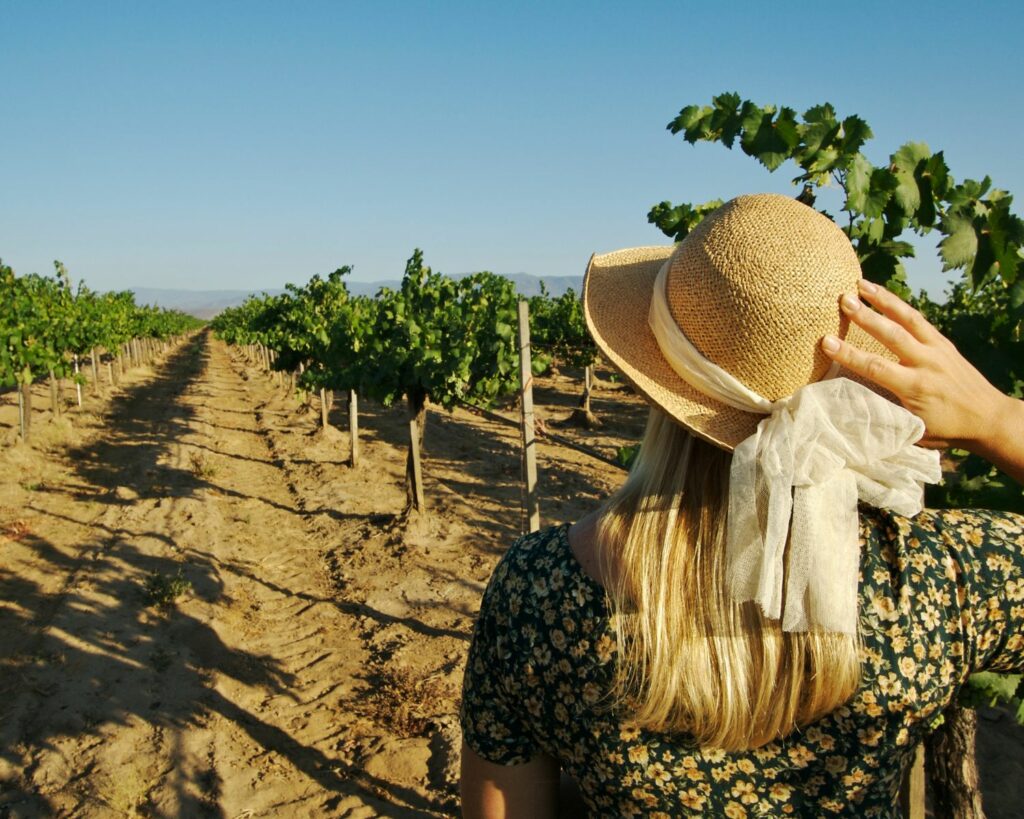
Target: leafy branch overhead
914	191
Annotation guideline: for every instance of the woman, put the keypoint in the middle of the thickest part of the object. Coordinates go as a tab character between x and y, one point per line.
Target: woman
759	622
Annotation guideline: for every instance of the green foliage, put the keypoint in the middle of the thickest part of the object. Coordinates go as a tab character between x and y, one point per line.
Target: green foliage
437	338
44	321
988	688
444	339
627	455
559	331
163	590
914	191
678	220
980	321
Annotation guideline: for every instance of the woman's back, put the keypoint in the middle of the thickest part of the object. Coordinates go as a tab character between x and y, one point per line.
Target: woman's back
941	595
754	598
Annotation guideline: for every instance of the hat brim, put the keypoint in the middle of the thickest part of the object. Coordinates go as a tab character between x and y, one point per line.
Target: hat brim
617	291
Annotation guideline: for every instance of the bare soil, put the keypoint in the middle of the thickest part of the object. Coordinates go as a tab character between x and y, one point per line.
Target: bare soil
205	610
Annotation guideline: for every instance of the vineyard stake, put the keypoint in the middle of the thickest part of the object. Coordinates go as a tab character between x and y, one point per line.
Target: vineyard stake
95	371
78	384
532	510
912	791
353	425
417	470
54	401
23	411
323	407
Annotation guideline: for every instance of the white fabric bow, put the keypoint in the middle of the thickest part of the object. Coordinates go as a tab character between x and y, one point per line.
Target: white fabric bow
799	477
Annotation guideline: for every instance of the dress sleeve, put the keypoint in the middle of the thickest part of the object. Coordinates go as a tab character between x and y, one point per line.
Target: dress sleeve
989	560
946	599
492	721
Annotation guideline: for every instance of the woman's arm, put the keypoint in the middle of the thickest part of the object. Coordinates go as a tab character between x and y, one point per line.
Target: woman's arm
526	791
958	405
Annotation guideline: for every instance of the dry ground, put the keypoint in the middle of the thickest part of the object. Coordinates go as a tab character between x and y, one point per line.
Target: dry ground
206	611
310	664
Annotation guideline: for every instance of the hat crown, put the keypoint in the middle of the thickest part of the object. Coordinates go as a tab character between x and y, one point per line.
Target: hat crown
756	285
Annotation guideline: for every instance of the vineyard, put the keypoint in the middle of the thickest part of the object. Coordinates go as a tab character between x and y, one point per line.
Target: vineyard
251	622
51	330
239	564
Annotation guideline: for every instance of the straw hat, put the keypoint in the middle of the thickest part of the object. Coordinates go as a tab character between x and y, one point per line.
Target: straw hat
754	288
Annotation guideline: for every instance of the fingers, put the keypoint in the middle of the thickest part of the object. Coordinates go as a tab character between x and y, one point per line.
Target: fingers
885	373
889	332
894	308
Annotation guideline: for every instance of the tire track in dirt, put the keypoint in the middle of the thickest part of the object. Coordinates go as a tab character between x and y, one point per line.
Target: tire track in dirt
404	736
234	702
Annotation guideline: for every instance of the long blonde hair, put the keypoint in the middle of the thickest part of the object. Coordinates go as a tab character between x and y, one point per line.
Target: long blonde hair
689	657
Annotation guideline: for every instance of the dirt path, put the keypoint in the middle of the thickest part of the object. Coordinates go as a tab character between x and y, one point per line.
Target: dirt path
206	611
234	702
308	657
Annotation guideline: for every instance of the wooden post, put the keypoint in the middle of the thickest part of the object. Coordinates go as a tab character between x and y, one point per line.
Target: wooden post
78	384
531	509
25	410
323	408
21	414
110	372
353	425
54	398
95	371
417	469
912	792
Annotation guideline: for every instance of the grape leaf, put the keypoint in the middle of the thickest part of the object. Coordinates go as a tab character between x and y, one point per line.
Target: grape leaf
960	246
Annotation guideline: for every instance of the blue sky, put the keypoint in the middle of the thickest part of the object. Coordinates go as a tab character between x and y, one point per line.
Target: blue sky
244	144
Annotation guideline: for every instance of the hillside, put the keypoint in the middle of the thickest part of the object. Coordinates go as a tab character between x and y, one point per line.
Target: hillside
206	304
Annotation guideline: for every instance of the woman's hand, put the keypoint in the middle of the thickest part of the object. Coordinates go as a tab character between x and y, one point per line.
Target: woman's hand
958	405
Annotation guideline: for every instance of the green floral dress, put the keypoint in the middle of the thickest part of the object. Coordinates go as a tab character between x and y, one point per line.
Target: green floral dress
941	596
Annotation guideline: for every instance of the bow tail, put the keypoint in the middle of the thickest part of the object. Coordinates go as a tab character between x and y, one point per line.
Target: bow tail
760	504
824	557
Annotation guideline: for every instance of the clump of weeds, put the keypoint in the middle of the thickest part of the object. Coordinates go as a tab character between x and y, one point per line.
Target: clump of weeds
407	703
16	530
200	466
163	590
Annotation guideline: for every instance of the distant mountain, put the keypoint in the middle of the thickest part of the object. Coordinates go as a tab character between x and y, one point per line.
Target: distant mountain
202	304
529	285
206	304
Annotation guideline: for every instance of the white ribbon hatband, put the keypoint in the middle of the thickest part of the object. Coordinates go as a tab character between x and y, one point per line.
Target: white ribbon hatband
799	478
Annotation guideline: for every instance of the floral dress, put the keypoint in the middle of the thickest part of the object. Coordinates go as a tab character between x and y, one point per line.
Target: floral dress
941	596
